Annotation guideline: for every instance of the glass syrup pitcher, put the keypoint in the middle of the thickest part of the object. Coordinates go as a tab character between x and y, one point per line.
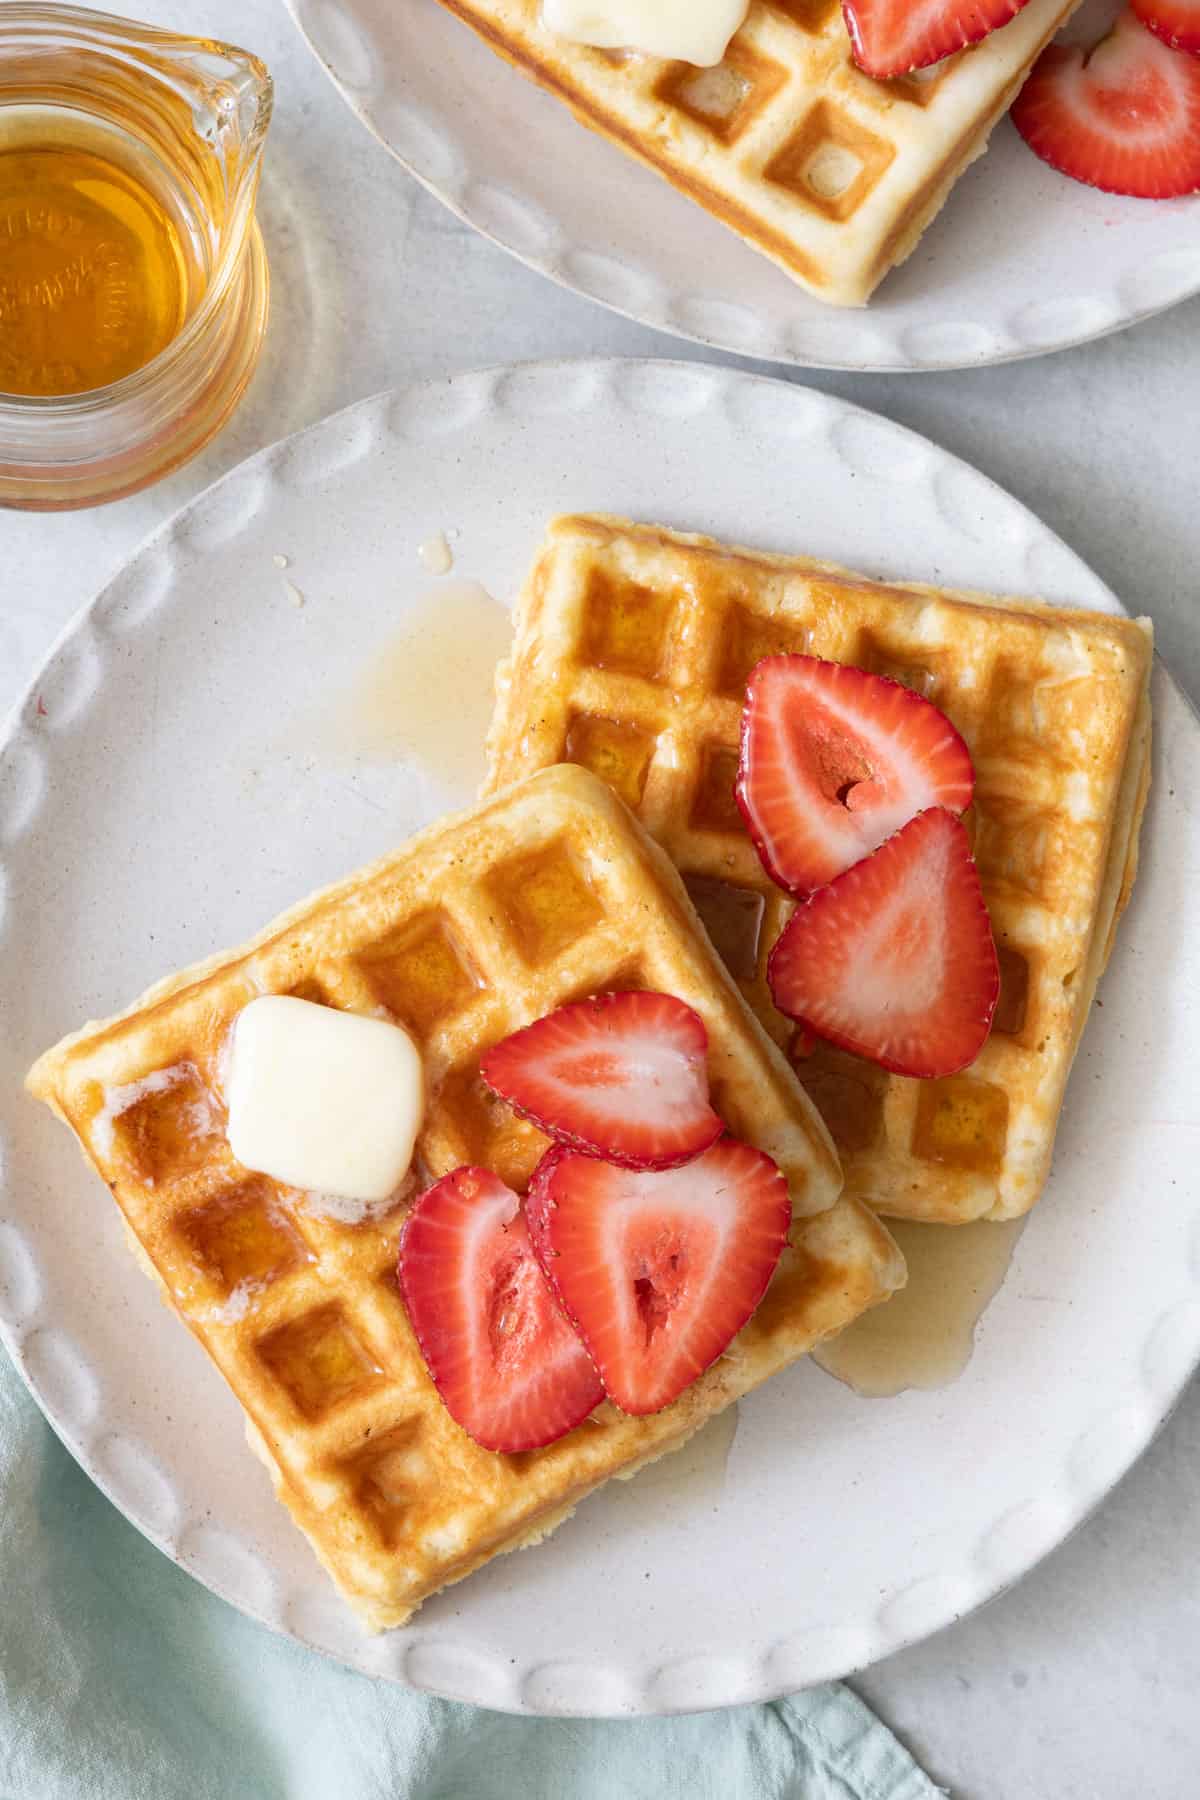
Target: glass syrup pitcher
133	280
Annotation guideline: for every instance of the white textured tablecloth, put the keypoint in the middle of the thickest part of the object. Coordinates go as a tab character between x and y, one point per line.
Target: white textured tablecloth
1080	1684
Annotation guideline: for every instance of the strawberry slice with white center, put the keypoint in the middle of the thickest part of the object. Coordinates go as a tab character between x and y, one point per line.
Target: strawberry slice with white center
1124	116
1176	22
834	760
895	960
622	1076
658	1270
504	1359
893	37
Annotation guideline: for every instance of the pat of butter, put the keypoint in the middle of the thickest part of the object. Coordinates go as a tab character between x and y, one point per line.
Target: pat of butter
323	1100
695	31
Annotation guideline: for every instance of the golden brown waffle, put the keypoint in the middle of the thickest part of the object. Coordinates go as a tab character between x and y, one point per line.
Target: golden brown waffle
633	646
831	174
475	928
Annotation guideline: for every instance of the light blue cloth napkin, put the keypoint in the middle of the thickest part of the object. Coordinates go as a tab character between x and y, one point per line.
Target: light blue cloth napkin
121	1678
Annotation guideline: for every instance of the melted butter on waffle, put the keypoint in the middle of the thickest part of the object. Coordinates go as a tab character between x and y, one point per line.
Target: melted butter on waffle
632	649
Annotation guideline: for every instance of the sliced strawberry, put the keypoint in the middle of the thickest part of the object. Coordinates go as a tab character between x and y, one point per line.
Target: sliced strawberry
1124	116
658	1269
893	37
895	960
1176	22
505	1361
834	761
621	1076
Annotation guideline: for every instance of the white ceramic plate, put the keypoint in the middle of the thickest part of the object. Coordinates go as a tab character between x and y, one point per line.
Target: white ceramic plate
1020	261
164	791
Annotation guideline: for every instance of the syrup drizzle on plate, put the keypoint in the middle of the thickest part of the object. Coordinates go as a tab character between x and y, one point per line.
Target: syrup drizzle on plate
695	1473
435	555
924	1336
427	694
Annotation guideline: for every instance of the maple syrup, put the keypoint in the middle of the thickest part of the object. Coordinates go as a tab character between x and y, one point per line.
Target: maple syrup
619	753
627	627
547	901
242	1237
697	1472
428	693
133	280
925	1335
97	274
435	555
422	973
733	918
318	1360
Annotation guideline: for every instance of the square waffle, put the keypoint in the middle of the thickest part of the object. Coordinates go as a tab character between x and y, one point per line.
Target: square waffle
831	174
475	928
632	650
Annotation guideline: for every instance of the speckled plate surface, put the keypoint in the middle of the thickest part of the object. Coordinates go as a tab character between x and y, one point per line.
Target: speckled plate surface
169	783
1019	262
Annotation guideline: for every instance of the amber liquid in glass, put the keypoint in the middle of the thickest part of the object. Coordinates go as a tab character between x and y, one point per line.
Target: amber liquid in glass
97	274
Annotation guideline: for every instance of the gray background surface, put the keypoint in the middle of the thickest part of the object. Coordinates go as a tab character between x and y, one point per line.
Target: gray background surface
1083	1682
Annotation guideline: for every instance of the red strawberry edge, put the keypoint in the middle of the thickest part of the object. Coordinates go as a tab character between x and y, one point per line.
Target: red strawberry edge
551	1073
1123	116
659	1284
1176	22
833	907
506	1362
886	41
951	785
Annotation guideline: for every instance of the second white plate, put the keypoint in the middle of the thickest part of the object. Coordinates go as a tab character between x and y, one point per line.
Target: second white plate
1021	260
199	751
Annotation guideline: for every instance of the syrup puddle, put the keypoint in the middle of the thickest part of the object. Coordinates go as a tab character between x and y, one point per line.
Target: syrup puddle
696	1472
924	1336
435	554
428	692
